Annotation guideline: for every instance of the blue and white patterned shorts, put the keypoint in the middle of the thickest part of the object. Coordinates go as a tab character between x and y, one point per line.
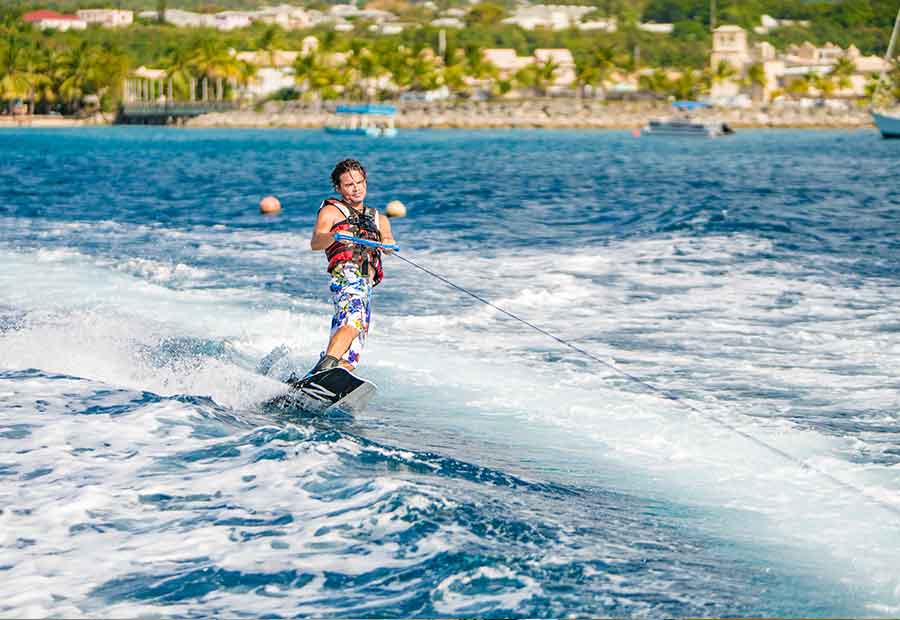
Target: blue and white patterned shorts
351	293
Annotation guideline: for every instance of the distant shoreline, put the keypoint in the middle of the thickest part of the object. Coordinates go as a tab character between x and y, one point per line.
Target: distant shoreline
543	114
532	114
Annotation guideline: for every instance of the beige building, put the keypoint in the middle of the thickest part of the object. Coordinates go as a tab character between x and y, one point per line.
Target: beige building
797	62
508	62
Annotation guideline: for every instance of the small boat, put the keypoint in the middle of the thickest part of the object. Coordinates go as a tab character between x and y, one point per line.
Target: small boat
888	123
685	125
373	120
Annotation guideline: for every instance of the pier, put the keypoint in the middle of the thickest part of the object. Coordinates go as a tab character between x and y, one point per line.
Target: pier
150	100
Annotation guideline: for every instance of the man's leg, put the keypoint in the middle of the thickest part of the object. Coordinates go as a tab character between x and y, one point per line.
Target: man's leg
340	343
350	292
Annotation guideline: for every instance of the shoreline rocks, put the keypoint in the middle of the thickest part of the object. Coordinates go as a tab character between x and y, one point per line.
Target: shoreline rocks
548	114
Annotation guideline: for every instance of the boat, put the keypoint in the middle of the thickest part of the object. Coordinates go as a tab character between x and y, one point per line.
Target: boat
887	121
370	119
888	124
685	125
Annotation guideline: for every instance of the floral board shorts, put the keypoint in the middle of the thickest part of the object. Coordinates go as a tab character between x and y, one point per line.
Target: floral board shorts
351	293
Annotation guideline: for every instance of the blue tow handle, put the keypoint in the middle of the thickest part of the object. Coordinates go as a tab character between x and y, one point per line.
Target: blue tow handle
366	242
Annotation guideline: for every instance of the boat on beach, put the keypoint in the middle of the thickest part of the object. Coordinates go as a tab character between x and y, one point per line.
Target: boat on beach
684	124
887	121
372	120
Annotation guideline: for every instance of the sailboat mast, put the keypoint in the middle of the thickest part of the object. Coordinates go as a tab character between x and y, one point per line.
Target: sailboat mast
888	56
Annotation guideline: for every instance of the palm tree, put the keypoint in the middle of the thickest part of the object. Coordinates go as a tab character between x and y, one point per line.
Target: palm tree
657	82
545	75
425	72
270	41
319	77
179	67
723	72
756	80
477	67
586	74
77	69
14	79
841	72
527	77
798	87
688	85
824	84
212	59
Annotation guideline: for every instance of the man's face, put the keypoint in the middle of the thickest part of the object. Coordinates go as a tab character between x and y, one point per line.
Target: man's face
353	187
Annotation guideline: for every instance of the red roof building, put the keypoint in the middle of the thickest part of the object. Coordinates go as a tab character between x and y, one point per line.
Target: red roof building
51	19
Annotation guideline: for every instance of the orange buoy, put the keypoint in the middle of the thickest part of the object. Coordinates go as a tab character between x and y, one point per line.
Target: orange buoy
269	205
395	208
636	132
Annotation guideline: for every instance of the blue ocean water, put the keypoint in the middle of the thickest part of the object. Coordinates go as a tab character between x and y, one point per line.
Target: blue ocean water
497	473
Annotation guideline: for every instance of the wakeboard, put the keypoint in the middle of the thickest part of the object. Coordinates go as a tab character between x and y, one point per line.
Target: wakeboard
333	390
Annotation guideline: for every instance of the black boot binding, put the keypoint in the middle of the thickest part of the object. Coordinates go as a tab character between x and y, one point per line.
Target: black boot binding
327	362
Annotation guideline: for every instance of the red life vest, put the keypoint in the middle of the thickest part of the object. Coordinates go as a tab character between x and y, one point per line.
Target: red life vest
364	225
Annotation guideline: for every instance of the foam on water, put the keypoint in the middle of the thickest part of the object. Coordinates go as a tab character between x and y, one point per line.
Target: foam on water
174	342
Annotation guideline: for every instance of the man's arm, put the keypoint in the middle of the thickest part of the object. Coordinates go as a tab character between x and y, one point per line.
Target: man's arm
322	236
387	235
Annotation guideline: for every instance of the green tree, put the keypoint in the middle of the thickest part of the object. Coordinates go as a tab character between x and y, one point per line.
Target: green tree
15	80
756	80
799	86
318	78
823	83
689	85
723	72
545	75
485	14
178	64
656	82
843	69
271	40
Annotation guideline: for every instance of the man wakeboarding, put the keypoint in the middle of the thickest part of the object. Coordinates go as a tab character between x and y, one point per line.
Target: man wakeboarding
355	269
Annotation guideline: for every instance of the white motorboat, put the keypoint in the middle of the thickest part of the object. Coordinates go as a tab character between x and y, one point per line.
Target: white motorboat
685	125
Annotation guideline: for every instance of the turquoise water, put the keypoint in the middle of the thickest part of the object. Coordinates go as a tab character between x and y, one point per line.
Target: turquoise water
497	473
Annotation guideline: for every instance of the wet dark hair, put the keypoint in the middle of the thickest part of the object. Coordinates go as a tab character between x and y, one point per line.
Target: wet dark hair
347	165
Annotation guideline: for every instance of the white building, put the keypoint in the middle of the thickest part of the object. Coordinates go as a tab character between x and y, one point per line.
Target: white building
506	60
225	20
550	16
769	23
448	22
657	28
182	19
388	28
607	24
231	20
285	15
51	19
108	18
